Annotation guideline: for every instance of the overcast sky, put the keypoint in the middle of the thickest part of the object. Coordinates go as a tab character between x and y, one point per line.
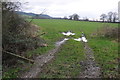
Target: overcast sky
60	8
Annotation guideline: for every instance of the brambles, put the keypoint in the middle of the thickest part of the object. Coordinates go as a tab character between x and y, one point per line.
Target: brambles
18	35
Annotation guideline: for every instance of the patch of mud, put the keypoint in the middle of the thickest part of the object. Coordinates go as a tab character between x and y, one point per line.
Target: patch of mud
61	42
40	61
89	66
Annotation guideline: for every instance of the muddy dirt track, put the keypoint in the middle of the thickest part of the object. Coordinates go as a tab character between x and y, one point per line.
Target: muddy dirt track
41	60
89	66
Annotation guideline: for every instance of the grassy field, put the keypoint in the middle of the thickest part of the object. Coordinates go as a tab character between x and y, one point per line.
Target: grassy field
106	54
105	50
53	27
67	61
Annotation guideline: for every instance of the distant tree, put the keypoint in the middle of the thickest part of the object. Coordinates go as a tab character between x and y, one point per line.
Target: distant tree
65	17
103	17
114	17
110	14
96	19
75	17
70	17
85	19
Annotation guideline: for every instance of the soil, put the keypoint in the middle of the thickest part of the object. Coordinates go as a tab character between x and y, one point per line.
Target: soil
40	61
89	66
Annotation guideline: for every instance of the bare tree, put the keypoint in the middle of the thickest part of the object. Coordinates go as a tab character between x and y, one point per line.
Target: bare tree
76	17
110	14
103	17
65	17
85	19
114	16
70	17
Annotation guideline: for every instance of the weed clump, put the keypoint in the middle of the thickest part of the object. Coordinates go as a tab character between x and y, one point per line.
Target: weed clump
109	32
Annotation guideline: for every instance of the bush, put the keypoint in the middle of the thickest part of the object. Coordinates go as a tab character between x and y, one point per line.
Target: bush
18	35
109	32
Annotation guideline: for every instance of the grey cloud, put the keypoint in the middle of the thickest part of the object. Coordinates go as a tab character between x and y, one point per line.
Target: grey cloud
68	7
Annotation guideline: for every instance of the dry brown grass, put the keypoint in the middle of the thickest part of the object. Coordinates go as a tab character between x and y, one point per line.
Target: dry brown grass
33	29
109	32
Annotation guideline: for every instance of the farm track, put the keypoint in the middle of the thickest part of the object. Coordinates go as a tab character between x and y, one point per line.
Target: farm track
89	66
41	60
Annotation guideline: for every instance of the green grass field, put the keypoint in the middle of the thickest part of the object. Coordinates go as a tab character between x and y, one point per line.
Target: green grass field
66	63
105	50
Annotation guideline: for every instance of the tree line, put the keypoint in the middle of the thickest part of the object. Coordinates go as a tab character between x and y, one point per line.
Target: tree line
110	17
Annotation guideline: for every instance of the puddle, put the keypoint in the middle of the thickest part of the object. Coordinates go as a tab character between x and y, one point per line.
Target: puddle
68	33
84	39
61	42
42	60
81	39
